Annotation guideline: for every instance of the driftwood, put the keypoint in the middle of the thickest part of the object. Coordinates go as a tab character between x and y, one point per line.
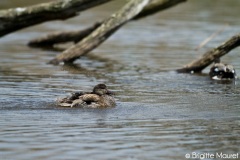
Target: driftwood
108	27
62	37
210	56
18	18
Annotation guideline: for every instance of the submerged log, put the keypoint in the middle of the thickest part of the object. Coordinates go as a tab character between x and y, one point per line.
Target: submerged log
210	56
108	27
61	37
18	18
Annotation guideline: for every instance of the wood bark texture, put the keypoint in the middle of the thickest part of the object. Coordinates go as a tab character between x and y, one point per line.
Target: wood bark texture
108	27
18	18
209	57
66	36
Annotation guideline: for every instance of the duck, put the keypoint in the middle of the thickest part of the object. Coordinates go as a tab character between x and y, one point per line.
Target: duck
100	97
221	71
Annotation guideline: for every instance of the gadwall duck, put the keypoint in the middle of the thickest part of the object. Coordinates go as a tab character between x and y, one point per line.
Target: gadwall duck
221	71
100	97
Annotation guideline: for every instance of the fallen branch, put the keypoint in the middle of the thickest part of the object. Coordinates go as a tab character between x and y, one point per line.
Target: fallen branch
128	12
107	28
60	37
210	56
18	18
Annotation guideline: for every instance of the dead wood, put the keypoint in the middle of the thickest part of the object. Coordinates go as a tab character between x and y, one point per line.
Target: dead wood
108	27
61	37
210	56
18	18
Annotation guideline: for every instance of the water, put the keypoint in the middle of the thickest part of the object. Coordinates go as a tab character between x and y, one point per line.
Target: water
159	114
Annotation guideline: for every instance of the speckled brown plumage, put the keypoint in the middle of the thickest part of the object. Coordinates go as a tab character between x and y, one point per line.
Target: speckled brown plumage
100	97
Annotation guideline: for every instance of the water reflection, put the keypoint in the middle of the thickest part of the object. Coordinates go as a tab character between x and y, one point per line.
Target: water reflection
159	115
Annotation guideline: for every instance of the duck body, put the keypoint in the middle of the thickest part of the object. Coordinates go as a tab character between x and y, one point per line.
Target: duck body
100	97
221	71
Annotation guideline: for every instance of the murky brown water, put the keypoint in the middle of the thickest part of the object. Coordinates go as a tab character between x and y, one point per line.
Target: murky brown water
159	115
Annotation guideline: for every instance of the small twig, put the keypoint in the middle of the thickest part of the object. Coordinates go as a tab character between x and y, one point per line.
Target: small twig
211	37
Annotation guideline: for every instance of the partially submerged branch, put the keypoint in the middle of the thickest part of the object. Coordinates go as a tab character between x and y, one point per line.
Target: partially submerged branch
49	40
18	18
210	56
130	10
61	37
108	27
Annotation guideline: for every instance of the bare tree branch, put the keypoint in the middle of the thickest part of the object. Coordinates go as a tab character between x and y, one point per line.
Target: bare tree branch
108	27
61	37
209	57
18	18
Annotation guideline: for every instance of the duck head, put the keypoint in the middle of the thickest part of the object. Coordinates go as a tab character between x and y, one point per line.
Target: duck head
220	71
101	89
